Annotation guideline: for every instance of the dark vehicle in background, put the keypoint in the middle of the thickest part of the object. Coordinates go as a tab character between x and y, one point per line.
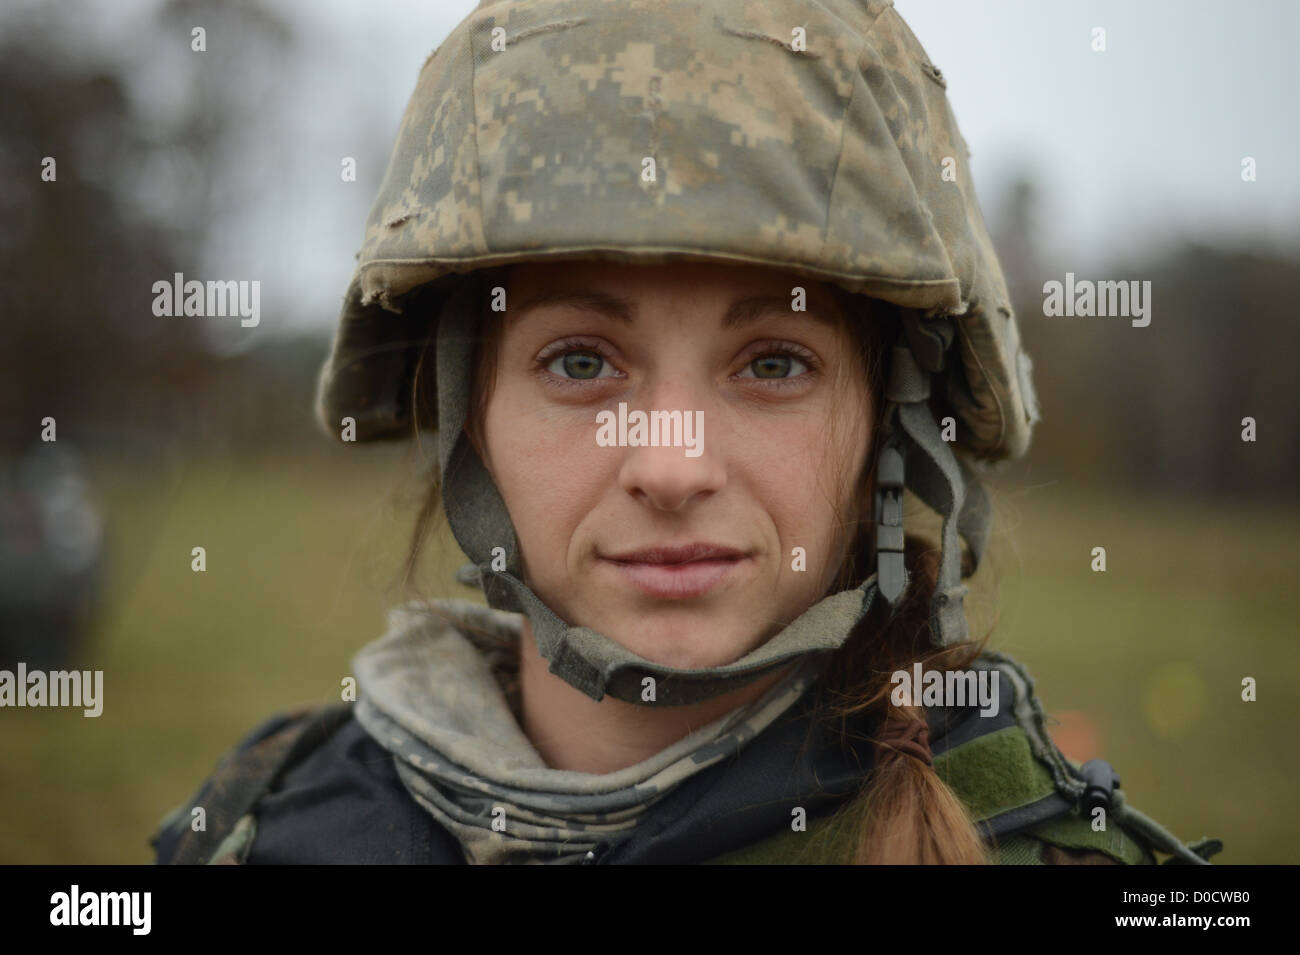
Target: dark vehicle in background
51	555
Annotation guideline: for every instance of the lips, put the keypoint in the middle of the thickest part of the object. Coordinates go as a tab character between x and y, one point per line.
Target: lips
681	554
678	572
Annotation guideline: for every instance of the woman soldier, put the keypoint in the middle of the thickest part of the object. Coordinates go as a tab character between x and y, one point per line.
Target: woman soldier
689	293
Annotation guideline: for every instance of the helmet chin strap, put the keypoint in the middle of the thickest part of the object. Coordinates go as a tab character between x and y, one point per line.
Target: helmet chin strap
591	661
915	447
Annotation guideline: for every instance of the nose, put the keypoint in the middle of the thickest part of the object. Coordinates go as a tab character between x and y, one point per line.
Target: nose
666	477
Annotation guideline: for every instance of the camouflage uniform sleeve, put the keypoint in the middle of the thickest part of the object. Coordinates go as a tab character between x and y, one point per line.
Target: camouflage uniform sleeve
1071	840
230	793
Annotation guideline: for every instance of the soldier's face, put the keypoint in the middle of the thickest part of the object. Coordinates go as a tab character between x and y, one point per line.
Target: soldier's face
696	521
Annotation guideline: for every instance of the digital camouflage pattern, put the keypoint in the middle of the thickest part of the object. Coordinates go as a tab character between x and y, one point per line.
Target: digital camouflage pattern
230	795
833	153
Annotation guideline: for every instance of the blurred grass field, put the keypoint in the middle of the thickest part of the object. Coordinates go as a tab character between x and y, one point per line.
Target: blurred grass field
302	554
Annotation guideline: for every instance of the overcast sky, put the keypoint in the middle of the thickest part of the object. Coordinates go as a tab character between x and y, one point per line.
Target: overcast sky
1130	146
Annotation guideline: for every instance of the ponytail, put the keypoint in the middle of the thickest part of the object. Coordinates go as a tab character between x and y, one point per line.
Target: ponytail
905	814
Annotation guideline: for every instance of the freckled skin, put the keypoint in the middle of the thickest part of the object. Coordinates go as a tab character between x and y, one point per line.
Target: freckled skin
762	485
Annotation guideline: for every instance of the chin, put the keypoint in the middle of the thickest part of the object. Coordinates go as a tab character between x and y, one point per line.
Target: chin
683	648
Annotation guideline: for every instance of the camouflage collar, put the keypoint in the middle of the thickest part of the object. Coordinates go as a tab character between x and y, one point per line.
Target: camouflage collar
429	696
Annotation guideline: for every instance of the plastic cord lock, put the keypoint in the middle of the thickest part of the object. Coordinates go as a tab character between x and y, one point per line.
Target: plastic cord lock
1102	781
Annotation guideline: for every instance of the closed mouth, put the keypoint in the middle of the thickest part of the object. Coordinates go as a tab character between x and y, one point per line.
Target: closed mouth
677	554
678	572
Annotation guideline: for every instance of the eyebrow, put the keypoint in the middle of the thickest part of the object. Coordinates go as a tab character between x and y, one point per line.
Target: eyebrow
741	312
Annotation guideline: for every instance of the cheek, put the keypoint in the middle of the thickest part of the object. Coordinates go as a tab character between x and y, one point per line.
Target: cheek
795	471
547	466
807	489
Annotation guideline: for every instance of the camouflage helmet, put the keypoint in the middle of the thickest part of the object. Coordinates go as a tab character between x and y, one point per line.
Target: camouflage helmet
813	136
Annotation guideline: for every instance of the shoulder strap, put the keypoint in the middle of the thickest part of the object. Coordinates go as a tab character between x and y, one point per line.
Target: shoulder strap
241	779
1021	791
1094	784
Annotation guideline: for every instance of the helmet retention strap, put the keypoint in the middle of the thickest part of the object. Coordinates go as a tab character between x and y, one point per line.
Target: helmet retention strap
942	481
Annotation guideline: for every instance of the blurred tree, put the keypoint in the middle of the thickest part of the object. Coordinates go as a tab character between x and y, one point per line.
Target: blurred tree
1160	408
150	145
73	262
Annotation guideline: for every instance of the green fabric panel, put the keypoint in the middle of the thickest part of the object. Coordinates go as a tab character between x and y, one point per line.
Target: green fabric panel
995	773
826	843
990	775
1076	832
1020	850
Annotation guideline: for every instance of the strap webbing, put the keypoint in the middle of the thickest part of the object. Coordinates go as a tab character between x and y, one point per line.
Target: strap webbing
244	776
945	484
1159	836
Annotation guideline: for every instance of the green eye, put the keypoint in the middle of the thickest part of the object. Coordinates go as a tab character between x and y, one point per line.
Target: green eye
771	366
774	366
577	364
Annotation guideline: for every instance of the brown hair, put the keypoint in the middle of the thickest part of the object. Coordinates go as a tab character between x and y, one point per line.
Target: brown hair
904	813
